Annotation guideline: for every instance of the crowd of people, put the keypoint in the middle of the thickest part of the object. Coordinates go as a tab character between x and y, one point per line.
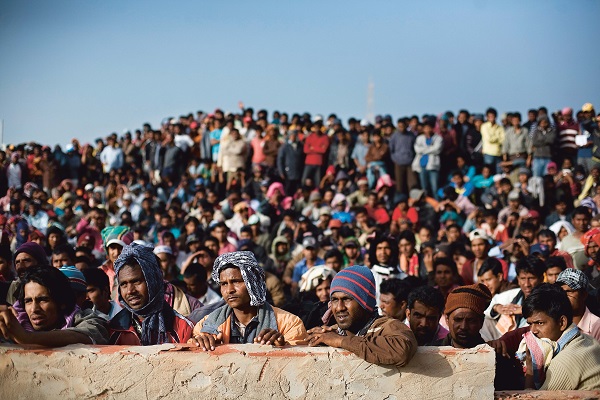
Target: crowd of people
377	238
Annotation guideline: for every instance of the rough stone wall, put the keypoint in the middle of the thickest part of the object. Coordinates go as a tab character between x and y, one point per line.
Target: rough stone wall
240	372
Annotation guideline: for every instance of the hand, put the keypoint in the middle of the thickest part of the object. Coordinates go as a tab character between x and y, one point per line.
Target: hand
327	338
10	328
270	336
206	341
499	346
509	309
321	329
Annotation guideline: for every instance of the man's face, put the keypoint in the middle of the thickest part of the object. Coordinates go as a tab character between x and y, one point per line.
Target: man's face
42	310
52	240
221	234
392	308
61	260
423	322
310	253
406	247
383	252
233	289
323	290
98	296
443	276
114	250
581	222
544	326
348	314
592	249
351	252
552	274
576	297
24	261
493	282
479	247
547	241
165	261
491	117
464	325
527	281
453	234
333	263
133	286
195	287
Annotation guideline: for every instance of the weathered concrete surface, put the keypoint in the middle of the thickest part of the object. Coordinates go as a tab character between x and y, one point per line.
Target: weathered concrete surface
239	372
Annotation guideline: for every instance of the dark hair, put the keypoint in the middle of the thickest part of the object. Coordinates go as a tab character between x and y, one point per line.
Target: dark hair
57	283
64	249
491	110
532	265
527	226
397	288
446	261
195	270
557	261
97	277
581	210
408	236
334	253
427	295
547	233
549	299
393	246
491	264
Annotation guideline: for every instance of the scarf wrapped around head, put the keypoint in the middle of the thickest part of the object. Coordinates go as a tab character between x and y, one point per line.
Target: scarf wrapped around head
543	351
252	273
154	330
591	235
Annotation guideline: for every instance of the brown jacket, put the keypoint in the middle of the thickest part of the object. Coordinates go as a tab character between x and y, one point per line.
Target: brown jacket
387	342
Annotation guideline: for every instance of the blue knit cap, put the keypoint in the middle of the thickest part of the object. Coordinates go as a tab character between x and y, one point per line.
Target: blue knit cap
76	278
357	282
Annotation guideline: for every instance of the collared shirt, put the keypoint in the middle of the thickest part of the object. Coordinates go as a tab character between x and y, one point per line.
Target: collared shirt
590	324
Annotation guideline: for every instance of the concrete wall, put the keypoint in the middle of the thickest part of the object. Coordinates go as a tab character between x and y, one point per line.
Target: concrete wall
239	372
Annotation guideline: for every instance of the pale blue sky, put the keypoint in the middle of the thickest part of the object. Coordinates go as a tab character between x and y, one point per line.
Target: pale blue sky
87	68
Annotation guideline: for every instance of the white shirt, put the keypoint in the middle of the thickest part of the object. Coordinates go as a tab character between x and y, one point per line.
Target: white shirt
210	297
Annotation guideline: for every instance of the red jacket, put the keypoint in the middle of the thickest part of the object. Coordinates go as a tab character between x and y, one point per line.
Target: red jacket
121	331
315	147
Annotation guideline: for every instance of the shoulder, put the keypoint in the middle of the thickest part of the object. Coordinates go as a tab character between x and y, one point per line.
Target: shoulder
281	315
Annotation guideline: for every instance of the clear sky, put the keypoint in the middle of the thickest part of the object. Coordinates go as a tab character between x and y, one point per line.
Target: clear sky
86	68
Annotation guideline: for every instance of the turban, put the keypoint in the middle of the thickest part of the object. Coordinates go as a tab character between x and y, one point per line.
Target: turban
115	234
474	297
252	273
153	326
592	234
357	282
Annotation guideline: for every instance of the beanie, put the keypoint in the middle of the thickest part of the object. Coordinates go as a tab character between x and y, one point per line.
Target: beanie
357	282
76	278
474	297
34	250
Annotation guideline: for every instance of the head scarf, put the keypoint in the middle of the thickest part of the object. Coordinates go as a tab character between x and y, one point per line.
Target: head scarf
114	234
589	236
252	273
557	226
314	277
22	225
154	330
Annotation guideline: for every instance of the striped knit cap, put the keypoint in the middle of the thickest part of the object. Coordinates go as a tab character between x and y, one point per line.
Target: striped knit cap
357	282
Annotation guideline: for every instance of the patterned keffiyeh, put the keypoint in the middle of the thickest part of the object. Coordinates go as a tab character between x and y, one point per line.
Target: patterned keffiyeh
153	326
252	273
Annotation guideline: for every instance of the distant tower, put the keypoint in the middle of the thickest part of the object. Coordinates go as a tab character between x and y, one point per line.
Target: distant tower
371	101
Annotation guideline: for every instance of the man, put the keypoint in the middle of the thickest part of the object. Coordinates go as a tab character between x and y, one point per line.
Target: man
383	256
554	266
309	260
28	255
166	258
360	329
402	153
393	299
146	318
548	238
492	137
290	159
352	252
572	243
315	147
49	315
574	363
492	276
98	292
423	313
219	232
112	156
63	255
575	284
591	245
197	286
480	246
246	317
506	307
114	239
